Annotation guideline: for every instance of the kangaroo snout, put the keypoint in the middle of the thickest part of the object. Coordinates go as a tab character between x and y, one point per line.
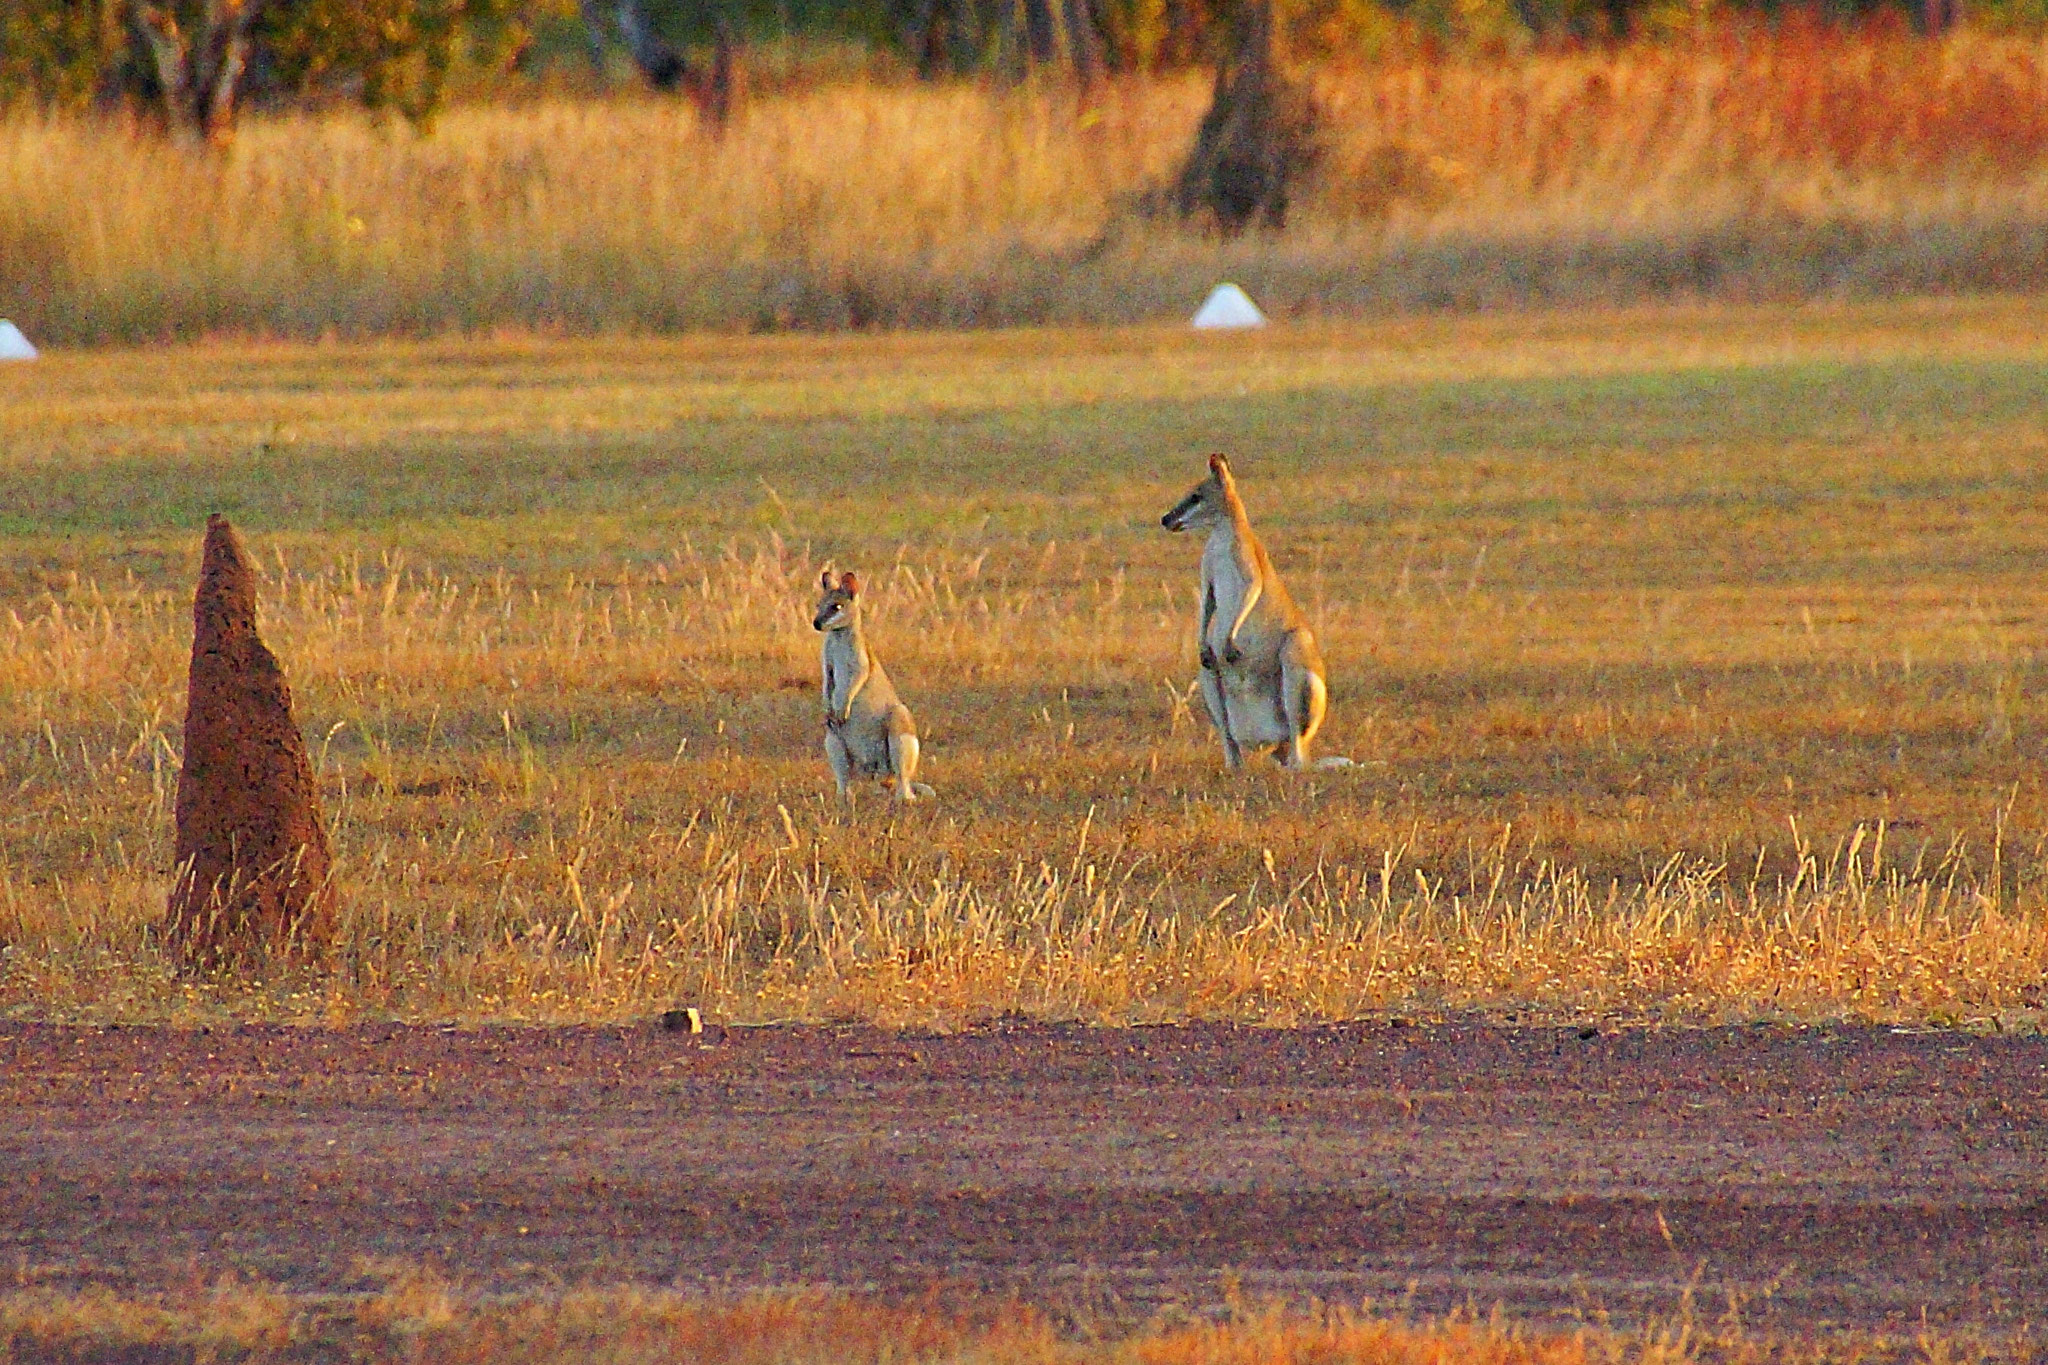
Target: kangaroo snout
828	617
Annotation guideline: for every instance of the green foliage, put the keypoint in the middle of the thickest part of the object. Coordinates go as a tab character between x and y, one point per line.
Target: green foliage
2022	16
57	50
400	50
396	53
1323	28
402	55
694	23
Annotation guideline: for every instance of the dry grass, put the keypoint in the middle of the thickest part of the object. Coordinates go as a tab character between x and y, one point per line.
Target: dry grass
410	1314
1689	658
1793	164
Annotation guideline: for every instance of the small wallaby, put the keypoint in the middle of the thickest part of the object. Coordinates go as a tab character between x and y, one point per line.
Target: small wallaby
868	730
1262	675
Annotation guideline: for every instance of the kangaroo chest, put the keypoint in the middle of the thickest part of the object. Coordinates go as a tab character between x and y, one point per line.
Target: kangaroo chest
842	667
865	732
1225	586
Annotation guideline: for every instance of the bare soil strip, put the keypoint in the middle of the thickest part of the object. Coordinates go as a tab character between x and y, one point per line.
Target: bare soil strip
1824	1177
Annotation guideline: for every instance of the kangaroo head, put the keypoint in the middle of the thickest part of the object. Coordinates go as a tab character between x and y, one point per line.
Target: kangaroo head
1208	504
837	602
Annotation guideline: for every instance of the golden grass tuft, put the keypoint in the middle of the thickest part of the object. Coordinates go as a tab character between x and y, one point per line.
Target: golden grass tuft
410	1313
1794	162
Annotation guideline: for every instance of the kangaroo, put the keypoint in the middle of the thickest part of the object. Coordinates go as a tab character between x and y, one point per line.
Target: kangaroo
1262	675
868	730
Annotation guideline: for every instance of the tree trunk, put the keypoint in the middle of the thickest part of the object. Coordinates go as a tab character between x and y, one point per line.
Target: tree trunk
200	74
1258	139
714	89
926	39
661	64
594	33
1040	42
1084	40
718	89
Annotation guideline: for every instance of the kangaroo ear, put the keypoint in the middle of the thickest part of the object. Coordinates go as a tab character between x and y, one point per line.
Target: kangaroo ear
1219	466
825	581
849	584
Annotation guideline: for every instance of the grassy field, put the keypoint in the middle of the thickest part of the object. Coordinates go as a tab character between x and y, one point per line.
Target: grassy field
1735	164
1690	659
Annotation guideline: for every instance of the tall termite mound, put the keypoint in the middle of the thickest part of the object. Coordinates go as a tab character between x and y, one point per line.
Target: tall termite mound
1258	141
252	856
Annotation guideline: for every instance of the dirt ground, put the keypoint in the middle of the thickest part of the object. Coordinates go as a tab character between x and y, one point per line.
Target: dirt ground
1823	1176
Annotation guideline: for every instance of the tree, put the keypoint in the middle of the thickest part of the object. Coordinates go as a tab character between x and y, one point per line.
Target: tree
656	57
59	51
195	61
199	63
950	37
713	87
1258	139
395	53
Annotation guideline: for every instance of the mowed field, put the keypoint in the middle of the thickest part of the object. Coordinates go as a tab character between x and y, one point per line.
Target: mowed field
1689	660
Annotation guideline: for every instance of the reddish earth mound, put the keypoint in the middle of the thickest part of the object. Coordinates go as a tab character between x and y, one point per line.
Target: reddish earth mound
254	867
1821	1178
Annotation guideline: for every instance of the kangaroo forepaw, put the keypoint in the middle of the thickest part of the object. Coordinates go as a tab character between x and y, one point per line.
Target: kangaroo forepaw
1231	653
1208	658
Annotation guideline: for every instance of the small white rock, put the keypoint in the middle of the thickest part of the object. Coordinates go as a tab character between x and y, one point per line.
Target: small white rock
1229	306
13	345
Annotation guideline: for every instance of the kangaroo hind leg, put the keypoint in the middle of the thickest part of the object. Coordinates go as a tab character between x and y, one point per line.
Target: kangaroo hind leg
904	751
1303	699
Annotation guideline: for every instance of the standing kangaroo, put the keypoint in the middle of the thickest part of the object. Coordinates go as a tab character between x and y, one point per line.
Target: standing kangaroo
1262	675
868	730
